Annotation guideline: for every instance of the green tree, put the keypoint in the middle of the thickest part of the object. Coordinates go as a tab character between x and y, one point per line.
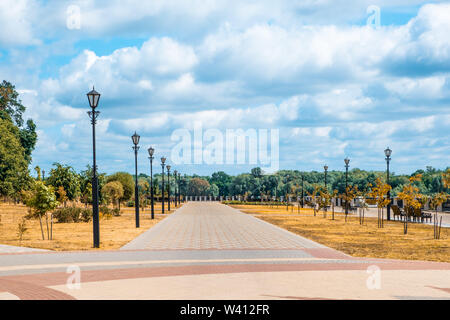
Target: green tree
86	194
12	106
28	138
85	181
38	172
127	182
257	172
144	190
198	187
66	177
14	174
42	201
213	190
221	180
113	191
9	102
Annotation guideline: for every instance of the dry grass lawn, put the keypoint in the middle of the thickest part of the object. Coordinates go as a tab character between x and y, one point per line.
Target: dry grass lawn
280	210
114	233
362	241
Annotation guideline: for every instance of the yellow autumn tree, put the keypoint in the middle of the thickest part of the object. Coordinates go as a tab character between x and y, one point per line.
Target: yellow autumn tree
313	196
411	198
348	196
324	200
62	195
379	194
446	178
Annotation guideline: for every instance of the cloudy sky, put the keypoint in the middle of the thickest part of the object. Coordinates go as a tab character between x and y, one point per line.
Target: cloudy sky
333	85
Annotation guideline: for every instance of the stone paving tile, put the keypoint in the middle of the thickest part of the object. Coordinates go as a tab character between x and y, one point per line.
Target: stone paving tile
13	249
204	225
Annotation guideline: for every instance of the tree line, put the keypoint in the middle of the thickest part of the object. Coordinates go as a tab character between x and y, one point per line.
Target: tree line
256	184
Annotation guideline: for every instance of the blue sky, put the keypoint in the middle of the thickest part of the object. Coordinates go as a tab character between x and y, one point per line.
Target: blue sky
332	86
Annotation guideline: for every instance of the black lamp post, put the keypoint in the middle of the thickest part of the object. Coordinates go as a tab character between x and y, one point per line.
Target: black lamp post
179	188
388	153
175	175
303	192
135	137
94	97
325	167
43	175
151	151
168	187
163	161
347	161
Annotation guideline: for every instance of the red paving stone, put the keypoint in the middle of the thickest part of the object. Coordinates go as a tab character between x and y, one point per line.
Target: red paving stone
35	286
31	291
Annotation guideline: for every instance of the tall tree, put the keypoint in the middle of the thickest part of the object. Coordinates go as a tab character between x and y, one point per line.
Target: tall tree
144	190
14	174
12	106
42	201
198	187
85	180
66	177
221	180
127	182
113	191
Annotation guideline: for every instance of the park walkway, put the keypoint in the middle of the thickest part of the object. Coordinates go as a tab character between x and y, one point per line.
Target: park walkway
211	225
211	251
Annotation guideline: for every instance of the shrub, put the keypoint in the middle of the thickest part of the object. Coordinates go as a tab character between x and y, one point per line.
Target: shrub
86	215
116	212
72	214
21	228
105	209
106	212
75	214
130	203
63	215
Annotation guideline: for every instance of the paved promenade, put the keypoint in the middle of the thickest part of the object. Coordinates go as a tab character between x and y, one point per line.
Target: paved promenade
211	251
209	225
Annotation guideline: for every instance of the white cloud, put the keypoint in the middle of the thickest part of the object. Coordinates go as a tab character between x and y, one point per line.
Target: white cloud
291	65
16	28
343	104
156	60
421	88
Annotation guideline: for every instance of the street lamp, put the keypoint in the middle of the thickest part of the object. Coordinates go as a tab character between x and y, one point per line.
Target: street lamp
303	192
168	187
93	98
135	138
163	161
347	161
388	153
151	151
325	167
43	175
175	175
179	188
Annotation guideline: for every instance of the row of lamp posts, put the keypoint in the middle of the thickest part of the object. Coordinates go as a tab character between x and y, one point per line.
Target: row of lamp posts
387	153
94	98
